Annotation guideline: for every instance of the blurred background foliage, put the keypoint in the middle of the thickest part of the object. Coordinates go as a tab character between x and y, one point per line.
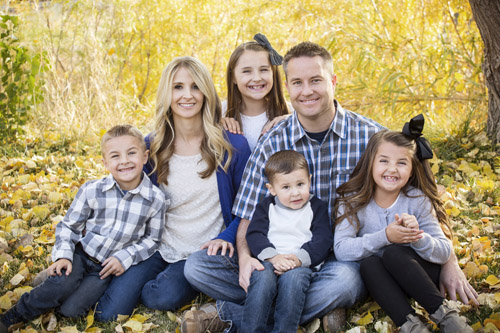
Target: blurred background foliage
393	59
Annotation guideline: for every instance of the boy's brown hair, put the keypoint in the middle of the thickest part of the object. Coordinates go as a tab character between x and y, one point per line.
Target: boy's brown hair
285	161
121	130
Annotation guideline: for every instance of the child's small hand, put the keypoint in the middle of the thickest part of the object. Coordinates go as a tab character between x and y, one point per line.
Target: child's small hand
282	263
231	125
57	267
112	266
397	233
409	221
295	259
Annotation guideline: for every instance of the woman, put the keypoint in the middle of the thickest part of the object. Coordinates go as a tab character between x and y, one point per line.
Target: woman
199	167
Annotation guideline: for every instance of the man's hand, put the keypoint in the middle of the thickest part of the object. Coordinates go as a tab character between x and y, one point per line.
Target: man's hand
270	124
112	266
57	267
399	234
247	265
452	281
214	245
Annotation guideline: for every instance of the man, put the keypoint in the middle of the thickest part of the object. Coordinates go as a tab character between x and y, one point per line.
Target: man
332	140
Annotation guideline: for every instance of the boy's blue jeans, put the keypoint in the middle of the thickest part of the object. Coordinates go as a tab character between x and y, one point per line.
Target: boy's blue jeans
337	284
71	295
289	290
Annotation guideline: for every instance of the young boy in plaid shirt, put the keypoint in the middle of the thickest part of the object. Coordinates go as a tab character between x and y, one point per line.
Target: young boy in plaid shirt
112	224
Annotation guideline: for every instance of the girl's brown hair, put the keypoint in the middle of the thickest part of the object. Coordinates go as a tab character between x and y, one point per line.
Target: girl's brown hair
359	190
276	103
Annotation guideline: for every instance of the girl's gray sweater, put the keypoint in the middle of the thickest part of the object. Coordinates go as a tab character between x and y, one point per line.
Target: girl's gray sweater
370	239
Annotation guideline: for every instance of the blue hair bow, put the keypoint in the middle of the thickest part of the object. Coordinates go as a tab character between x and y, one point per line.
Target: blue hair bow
276	59
413	129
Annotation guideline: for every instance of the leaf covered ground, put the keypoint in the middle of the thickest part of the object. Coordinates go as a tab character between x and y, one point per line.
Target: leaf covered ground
39	183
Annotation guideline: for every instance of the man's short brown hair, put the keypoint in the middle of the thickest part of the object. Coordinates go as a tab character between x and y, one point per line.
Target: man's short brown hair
308	49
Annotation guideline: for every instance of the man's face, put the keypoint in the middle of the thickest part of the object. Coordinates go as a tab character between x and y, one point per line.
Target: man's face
312	89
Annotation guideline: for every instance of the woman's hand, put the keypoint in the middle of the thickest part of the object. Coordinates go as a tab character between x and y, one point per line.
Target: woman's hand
231	125
215	245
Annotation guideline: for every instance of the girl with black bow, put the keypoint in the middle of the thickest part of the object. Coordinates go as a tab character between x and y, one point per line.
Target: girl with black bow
255	101
389	218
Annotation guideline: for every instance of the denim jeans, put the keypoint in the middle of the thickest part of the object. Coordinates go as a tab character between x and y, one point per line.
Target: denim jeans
72	295
289	290
169	290
337	284
124	291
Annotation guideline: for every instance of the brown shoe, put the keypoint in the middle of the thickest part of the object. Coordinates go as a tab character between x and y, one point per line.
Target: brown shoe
334	320
202	320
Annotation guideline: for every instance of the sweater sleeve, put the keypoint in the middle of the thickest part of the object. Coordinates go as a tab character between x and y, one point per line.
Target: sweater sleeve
256	236
232	181
322	235
348	246
433	246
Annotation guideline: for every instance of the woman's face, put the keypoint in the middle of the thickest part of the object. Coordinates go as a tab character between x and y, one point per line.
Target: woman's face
187	99
253	75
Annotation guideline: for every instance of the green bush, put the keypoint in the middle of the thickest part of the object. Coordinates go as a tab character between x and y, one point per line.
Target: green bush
20	89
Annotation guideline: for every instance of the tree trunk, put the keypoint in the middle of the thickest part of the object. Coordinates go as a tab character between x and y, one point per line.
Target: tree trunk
487	16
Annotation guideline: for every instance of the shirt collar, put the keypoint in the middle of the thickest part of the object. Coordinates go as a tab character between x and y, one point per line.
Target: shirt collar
338	125
145	188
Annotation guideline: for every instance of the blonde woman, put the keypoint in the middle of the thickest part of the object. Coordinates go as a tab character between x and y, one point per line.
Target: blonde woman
198	166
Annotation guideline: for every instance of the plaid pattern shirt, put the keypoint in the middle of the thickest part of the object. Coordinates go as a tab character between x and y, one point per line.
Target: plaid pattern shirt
330	162
108	223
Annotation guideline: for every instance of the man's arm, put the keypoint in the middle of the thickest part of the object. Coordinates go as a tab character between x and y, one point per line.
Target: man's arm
246	262
452	281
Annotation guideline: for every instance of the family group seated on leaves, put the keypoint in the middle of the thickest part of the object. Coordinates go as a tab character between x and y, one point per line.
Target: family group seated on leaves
281	213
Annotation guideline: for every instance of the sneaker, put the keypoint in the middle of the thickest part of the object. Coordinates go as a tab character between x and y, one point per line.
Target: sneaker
40	278
449	320
413	324
202	320
334	320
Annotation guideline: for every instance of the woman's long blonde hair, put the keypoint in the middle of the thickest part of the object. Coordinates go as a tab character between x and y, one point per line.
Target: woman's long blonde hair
214	146
360	189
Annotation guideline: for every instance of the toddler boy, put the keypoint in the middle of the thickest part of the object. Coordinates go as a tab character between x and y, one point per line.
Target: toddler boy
289	232
112	223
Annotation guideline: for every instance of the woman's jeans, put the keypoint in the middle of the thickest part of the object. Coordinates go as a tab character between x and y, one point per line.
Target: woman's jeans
154	282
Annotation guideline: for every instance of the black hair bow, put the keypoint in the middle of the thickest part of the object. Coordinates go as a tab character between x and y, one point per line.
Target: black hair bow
276	59
413	129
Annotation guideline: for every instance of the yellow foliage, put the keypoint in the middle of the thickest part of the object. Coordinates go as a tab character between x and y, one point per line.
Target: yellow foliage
5	302
492	280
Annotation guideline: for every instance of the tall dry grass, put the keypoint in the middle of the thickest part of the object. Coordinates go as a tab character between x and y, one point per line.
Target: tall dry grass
393	59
